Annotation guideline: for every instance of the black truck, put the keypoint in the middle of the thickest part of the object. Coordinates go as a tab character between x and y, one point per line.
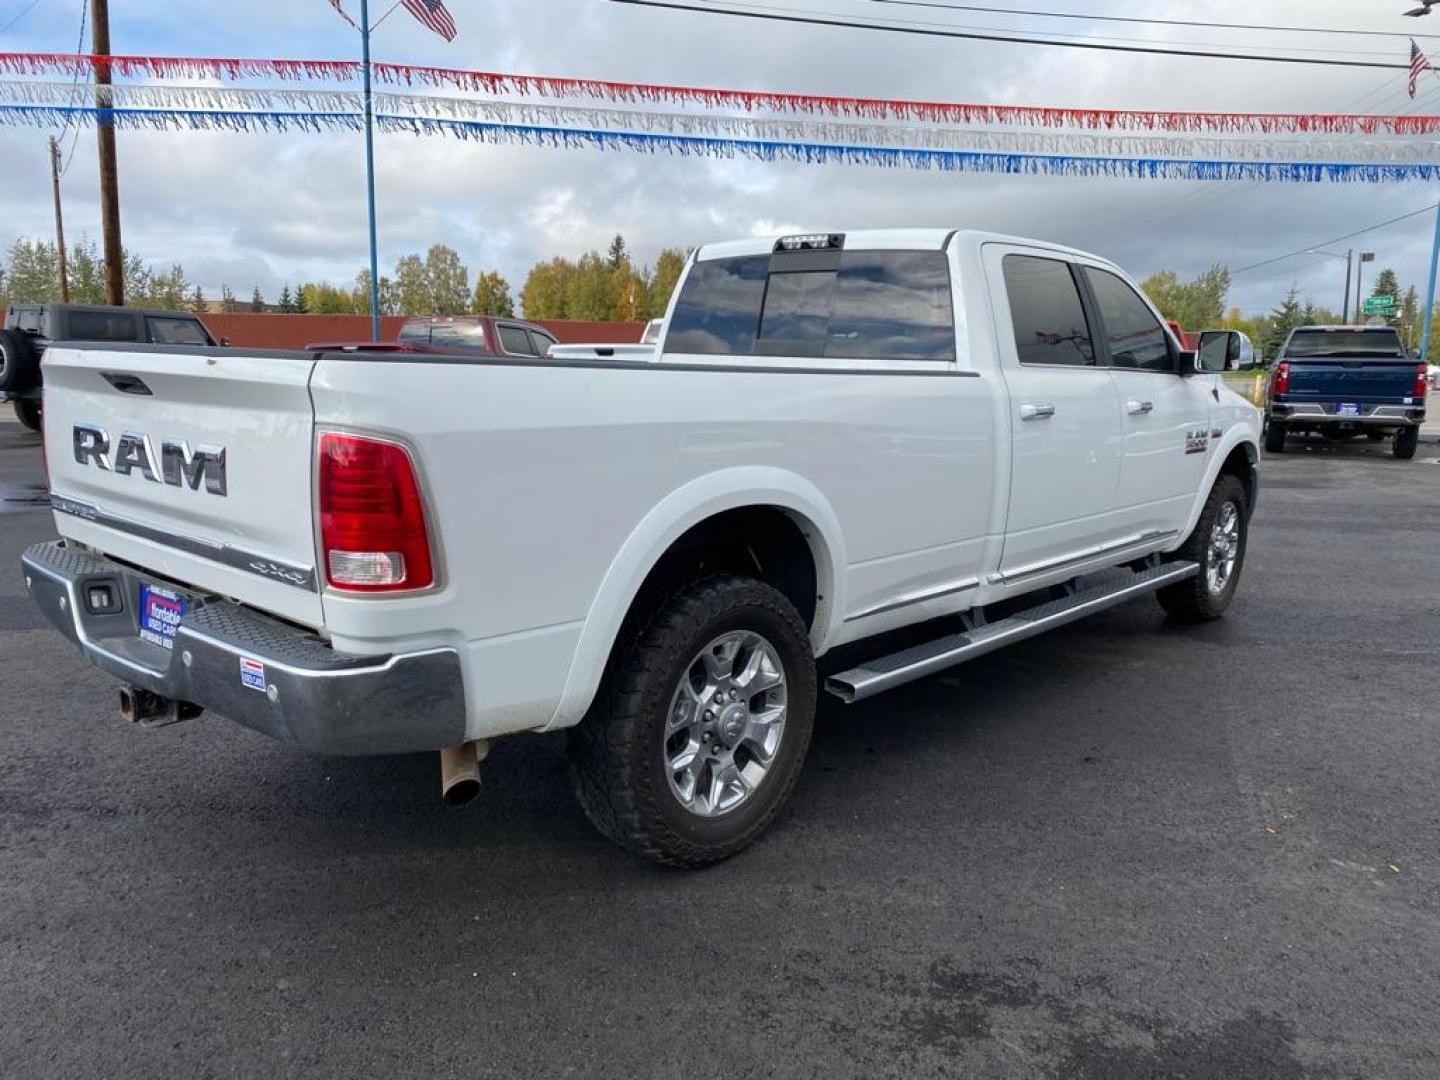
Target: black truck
29	328
1344	381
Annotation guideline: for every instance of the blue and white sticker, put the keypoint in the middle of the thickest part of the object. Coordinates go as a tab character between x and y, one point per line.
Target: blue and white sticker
252	674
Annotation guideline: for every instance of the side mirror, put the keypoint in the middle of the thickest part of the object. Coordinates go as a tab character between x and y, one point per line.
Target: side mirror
225	343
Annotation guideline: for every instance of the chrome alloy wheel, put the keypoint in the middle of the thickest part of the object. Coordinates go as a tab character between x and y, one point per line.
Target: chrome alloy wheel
725	723
1224	549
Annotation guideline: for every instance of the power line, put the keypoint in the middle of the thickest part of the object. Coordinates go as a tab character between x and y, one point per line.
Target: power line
79	48
29	8
808	19
1334	240
1149	22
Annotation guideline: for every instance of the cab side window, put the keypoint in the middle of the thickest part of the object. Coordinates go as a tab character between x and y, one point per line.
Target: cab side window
1050	323
1135	336
515	341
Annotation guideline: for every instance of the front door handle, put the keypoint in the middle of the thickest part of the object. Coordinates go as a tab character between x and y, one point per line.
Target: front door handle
1139	408
1036	412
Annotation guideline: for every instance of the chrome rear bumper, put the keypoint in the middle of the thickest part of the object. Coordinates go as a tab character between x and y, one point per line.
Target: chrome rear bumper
296	688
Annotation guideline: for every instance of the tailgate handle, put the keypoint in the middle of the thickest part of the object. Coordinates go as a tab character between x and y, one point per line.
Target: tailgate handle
127	384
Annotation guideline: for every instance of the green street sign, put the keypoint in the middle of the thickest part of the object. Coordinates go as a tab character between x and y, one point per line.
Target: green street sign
1380	305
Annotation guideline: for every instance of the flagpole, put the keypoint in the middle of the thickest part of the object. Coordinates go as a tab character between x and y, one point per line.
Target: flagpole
1430	290
370	174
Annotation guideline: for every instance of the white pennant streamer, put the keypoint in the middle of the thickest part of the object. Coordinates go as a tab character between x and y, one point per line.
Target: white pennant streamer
1083	143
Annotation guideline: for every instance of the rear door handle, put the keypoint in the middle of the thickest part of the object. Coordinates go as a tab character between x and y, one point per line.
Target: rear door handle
1139	408
1036	412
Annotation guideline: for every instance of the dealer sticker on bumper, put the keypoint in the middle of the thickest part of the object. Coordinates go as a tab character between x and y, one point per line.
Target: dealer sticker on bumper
252	674
160	613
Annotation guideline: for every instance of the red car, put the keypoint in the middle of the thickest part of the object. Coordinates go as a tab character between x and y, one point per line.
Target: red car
480	335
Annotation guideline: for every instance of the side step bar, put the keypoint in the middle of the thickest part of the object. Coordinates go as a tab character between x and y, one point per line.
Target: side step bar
918	661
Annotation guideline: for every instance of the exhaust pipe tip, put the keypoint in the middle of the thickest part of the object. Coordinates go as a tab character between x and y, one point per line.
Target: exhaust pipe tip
461	792
127	705
460	772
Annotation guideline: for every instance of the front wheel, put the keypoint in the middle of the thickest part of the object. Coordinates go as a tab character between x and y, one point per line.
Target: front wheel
1218	546
1407	440
702	725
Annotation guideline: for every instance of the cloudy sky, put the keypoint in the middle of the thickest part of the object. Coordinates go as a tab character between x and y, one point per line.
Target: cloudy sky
263	210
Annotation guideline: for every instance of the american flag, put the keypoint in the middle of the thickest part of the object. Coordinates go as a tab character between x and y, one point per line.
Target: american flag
343	13
1419	63
433	14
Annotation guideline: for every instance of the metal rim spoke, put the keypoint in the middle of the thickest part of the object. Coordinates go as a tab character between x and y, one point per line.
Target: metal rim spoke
726	723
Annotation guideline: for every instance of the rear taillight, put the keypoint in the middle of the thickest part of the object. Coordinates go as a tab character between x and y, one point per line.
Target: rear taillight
1421	380
1282	379
372	519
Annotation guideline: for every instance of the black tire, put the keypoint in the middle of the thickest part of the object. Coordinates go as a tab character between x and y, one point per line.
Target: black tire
617	754
19	366
1275	437
1192	600
28	413
1407	440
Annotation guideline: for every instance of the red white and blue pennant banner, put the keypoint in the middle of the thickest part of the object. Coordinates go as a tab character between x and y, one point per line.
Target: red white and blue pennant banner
509	85
800	128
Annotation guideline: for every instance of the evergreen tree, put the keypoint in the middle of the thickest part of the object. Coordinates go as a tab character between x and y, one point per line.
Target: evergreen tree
617	256
228	304
1284	318
197	301
287	301
302	302
257	301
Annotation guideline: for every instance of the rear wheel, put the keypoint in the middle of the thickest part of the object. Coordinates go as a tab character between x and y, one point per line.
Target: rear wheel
19	366
1275	437
1407	440
28	413
1218	546
699	733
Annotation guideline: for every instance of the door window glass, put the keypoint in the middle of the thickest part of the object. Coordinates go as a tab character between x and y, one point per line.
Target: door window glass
177	332
1050	324
1135	336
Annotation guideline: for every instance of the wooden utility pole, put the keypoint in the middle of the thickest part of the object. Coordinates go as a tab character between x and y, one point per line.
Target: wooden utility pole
59	220
109	175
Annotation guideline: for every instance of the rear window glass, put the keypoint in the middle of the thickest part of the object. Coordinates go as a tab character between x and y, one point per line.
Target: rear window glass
468	334
101	326
880	305
1050	323
1380	343
176	332
719	309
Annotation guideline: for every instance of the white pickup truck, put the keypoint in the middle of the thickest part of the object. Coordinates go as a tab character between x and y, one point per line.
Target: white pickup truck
971	436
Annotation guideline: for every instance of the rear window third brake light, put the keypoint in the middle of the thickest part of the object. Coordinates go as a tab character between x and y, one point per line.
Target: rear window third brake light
373	533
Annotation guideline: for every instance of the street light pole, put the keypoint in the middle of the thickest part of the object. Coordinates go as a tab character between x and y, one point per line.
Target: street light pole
370	173
1365	256
1430	290
1345	307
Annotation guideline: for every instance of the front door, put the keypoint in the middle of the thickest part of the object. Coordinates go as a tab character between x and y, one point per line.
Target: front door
1064	414
1165	417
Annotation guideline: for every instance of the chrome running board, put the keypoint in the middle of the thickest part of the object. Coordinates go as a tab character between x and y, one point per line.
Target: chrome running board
918	661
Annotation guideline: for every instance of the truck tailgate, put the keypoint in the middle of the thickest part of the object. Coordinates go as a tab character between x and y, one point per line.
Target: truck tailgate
1361	382
193	464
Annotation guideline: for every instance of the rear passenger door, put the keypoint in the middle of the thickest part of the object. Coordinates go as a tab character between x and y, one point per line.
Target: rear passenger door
1064	415
1166	418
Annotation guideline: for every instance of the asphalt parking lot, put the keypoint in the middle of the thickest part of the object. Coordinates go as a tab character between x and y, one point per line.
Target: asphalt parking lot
1123	850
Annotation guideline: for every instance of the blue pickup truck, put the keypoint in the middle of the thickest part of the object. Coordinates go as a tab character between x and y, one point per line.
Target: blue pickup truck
1344	381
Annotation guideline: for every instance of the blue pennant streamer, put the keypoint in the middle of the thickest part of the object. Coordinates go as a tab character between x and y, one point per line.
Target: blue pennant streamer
756	150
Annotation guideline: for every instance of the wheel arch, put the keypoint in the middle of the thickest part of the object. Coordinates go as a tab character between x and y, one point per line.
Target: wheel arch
726	501
1239	456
